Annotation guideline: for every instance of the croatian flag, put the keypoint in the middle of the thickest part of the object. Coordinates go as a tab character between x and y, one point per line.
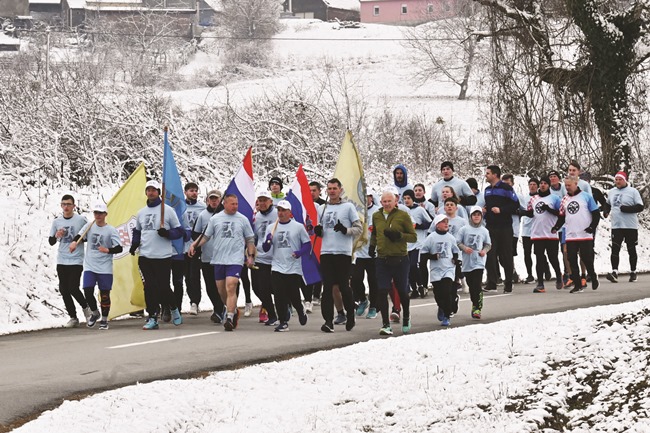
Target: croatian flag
304	211
242	186
173	188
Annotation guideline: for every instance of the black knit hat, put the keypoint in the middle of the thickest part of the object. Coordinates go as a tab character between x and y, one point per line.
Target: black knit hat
276	179
545	179
409	193
447	164
472	183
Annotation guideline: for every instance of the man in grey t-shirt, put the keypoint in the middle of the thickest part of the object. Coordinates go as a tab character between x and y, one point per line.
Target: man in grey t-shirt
623	205
233	235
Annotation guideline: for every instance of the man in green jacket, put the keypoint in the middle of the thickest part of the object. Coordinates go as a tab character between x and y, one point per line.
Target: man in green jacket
392	230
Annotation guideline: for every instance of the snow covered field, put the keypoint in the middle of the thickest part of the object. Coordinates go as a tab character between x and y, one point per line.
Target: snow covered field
579	371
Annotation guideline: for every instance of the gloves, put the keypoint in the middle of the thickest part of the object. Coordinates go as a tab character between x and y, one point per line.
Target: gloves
418	227
434	256
392	234
544	207
340	227
163	232
269	238
318	231
457	262
133	249
372	251
554	229
627	209
590	229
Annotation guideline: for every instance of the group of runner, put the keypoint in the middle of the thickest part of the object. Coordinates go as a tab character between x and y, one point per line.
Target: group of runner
413	245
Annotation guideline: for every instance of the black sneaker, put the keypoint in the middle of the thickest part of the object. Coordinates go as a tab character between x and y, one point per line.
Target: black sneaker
632	277
577	289
415	294
529	279
489	289
350	322
613	276
594	282
166	315
228	325
235	319
327	327
302	317
423	291
215	317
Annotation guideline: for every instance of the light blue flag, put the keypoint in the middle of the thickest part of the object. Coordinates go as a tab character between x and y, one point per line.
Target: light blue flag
174	195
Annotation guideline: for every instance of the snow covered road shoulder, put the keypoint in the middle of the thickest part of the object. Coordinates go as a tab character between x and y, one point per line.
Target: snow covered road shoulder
583	370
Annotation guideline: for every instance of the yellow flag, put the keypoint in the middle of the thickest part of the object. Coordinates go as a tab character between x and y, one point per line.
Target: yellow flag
349	171
127	294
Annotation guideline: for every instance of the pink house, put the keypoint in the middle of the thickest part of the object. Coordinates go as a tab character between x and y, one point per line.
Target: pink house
407	11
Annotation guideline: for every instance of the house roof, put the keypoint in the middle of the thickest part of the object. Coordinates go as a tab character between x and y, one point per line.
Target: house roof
215	5
76	4
44	2
348	5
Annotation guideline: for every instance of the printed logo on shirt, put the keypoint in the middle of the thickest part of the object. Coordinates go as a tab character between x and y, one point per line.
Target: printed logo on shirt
67	234
226	230
573	207
192	217
329	220
261	230
283	240
441	249
149	222
472	241
95	241
617	200
538	207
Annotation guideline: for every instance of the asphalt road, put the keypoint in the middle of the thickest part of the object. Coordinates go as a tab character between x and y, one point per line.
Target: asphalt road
38	370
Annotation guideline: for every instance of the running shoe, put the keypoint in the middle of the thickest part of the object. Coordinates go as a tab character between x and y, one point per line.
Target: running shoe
594	283
228	325
340	319
559	284
361	309
529	279
87	314
386	330
177	319
302	317
350	322
72	323
632	277
327	327
152	323
445	322
248	309
103	325
406	326
577	289
194	309
539	289
308	307
372	313
272	321
282	327
263	316
235	318
476	313
166	315
394	317
94	317
216	317
613	276
441	315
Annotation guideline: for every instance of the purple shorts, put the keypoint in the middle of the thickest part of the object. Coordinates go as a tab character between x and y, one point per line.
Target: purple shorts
221	272
103	281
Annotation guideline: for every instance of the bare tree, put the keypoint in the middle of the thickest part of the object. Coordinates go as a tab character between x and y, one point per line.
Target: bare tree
589	52
447	47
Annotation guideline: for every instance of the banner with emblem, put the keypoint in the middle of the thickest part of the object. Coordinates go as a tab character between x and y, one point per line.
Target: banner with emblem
127	294
349	170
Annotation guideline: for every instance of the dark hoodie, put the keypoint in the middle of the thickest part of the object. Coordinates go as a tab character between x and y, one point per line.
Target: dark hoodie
404	185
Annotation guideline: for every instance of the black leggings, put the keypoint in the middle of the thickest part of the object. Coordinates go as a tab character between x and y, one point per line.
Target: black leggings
287	290
359	269
631	237
543	248
157	290
211	287
335	269
69	277
104	300
262	287
586	250
445	296
528	249
474	279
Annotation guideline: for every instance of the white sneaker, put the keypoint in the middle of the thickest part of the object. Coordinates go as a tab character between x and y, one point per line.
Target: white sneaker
464	285
194	309
72	323
87	313
308	307
248	309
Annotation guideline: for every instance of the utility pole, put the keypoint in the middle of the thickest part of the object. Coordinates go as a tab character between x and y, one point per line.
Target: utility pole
47	59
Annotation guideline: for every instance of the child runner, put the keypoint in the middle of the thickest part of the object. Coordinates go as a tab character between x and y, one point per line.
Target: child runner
474	242
442	252
103	241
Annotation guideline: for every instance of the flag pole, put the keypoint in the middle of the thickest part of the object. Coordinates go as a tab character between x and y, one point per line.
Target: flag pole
162	204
